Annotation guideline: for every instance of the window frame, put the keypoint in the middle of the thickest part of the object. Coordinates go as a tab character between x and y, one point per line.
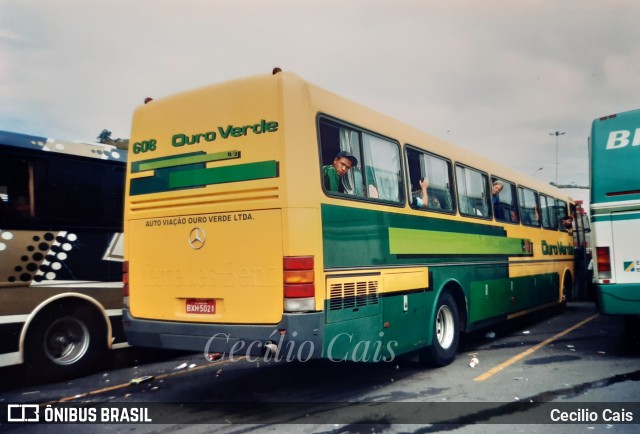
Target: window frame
487	191
450	169
514	194
537	206
567	213
360	131
43	192
553	207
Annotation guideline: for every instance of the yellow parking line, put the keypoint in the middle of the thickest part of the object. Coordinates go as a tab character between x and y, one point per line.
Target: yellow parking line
501	366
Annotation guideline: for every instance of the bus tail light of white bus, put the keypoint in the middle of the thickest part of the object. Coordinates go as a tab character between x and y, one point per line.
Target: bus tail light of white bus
604	263
299	284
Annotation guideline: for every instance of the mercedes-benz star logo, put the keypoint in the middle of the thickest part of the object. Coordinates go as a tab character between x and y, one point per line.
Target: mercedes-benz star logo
197	237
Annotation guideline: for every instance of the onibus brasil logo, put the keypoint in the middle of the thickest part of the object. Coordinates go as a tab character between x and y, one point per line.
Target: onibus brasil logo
76	414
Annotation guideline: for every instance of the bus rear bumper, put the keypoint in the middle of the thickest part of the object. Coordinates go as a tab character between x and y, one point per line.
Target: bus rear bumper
297	335
619	299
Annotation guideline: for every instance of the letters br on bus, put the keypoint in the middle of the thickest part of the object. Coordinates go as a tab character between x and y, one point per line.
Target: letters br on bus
267	214
615	212
61	253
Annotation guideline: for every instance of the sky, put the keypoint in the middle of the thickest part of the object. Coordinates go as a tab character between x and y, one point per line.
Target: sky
497	77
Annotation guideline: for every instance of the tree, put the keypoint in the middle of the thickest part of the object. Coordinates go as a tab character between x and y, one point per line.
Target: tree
105	137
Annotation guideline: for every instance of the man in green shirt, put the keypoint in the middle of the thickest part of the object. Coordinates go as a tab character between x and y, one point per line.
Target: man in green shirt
332	174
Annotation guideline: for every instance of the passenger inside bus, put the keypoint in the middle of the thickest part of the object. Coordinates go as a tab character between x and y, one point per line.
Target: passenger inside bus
425	196
332	174
422	199
567	223
496	188
504	207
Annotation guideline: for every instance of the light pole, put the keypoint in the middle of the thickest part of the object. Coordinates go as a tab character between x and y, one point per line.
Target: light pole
557	133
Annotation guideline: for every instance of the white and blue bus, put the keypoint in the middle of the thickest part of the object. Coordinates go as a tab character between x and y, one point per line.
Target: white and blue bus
60	253
615	212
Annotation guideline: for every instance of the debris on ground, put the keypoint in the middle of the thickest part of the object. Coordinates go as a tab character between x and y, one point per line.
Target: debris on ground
143	379
214	356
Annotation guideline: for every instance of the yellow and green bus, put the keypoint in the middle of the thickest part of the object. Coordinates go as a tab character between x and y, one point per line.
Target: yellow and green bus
235	242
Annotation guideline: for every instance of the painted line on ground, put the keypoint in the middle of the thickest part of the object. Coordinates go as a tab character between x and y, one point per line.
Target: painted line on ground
491	372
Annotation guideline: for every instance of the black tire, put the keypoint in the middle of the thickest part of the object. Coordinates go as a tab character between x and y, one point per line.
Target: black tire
65	340
567	288
632	327
446	333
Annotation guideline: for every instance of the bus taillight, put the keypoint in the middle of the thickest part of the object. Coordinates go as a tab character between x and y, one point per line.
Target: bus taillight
299	284
603	257
125	279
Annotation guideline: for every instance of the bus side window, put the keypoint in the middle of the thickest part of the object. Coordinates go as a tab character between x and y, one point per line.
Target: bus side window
15	189
562	215
473	192
548	211
529	206
382	168
335	138
505	204
377	174
437	172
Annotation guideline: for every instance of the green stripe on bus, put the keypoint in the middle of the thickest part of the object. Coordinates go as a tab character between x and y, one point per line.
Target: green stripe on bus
162	163
135	165
357	237
424	242
218	175
615	217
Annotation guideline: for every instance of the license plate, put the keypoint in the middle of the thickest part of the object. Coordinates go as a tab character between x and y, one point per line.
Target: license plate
201	305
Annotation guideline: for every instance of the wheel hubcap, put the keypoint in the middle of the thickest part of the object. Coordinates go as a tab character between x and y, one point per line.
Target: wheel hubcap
445	328
66	340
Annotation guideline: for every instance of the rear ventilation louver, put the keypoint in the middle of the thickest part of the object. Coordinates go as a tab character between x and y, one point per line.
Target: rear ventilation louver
353	295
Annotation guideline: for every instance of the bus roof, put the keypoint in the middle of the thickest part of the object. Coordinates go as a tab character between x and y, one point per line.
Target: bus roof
39	143
329	103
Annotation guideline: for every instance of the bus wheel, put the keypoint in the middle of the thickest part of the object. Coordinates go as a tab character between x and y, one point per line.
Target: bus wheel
446	333
632	327
65	340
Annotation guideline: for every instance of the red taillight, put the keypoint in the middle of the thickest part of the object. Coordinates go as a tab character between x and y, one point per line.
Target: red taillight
125	279
299	290
298	277
298	263
604	259
298	283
